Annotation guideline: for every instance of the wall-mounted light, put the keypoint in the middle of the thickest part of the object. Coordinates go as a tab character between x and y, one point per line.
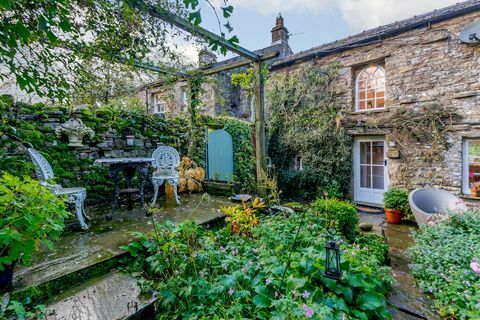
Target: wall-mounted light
130	140
361	126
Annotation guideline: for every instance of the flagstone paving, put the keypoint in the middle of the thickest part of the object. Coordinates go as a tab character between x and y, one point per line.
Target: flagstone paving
406	301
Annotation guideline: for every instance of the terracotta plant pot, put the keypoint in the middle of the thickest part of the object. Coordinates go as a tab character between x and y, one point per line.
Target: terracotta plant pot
394	216
475	194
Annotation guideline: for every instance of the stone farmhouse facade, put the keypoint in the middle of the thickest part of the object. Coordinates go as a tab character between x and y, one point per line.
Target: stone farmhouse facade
419	65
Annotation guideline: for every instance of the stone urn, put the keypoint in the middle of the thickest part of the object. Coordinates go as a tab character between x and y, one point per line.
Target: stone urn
75	131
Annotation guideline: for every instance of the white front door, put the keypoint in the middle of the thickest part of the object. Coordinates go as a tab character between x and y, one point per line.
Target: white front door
370	170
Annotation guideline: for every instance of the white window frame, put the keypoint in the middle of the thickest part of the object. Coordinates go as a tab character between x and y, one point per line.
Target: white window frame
375	100
298	162
183	99
465	166
159	106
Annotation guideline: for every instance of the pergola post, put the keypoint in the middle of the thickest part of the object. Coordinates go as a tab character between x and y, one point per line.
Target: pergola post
260	154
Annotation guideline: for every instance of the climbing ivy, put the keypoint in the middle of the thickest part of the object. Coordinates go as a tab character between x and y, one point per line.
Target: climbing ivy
305	118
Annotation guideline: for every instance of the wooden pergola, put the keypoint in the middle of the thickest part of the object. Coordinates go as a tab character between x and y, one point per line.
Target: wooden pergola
249	57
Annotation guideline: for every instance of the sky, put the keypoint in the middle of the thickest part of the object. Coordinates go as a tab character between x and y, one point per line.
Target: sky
311	22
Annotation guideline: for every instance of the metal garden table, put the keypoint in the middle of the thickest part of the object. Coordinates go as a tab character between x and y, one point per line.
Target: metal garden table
129	166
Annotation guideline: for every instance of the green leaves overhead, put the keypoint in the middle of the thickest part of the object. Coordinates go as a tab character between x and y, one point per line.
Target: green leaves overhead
43	44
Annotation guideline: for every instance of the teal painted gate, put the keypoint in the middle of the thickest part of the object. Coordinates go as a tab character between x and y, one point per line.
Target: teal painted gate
220	155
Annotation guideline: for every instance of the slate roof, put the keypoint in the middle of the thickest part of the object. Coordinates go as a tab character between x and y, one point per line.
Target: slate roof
382	32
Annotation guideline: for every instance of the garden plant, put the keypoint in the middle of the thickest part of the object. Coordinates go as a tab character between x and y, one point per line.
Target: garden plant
444	256
274	271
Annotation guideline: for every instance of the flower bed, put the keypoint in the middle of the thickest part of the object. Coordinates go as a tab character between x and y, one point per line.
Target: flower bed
200	273
441	258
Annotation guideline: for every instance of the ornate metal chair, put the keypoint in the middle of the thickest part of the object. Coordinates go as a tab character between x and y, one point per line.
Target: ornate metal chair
166	161
75	196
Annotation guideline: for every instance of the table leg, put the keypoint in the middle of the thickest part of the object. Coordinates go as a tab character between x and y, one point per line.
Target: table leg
143	169
114	176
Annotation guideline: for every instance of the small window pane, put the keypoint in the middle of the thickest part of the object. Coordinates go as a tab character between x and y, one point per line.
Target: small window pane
377	152
365	176
378	177
381	103
361	105
365	156
361	95
474	162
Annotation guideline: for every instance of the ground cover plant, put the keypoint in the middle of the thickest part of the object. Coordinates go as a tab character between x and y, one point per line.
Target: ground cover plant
441	258
200	273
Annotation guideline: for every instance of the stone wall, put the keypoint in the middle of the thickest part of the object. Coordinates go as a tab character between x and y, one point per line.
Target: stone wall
426	66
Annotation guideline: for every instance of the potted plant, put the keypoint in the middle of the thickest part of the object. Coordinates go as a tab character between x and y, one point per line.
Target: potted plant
31	216
75	130
475	190
394	200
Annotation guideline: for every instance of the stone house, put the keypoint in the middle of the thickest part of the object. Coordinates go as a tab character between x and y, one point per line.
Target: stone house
419	65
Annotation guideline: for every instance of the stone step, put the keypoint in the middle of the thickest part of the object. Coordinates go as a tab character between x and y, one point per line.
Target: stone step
113	296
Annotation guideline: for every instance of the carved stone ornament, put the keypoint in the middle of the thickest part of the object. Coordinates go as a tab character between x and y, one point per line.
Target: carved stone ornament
75	130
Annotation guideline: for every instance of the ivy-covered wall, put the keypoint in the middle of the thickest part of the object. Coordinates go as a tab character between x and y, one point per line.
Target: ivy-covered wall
35	124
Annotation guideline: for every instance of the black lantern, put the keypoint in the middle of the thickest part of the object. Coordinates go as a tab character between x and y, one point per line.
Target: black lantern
361	126
332	260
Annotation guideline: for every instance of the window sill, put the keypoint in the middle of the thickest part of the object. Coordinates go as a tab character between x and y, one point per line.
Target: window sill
469	197
369	111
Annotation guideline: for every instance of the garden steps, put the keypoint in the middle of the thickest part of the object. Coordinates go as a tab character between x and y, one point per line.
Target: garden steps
80	256
109	297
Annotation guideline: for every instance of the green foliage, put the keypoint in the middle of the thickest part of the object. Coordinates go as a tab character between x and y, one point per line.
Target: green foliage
30	216
339	215
43	44
441	255
201	274
11	309
395	198
375	246
305	119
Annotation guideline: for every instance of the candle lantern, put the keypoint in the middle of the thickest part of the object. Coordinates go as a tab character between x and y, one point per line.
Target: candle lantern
332	260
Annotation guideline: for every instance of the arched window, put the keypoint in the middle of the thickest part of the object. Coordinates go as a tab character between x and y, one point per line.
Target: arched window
370	88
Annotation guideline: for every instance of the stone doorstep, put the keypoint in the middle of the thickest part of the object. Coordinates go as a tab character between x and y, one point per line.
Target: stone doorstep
108	297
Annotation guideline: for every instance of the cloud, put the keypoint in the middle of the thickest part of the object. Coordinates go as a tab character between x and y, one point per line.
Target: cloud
366	14
359	14
275	6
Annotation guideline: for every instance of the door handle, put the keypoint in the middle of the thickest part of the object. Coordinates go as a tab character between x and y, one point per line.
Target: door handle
385	162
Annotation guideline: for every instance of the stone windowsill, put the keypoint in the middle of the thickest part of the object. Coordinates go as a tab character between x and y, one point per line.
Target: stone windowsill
369	111
469	197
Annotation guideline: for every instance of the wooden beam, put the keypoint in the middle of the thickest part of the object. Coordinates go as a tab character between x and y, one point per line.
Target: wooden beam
237	64
165	15
260	154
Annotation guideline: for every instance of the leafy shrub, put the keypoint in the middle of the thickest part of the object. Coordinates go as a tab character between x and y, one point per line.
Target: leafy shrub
242	218
395	198
374	246
30	216
441	255
340	215
24	310
202	274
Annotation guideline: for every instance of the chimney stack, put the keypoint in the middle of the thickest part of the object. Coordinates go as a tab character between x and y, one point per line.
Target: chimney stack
279	32
206	58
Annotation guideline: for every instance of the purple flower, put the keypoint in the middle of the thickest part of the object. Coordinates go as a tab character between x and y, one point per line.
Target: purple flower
268	281
207	226
475	267
306	294
295	293
308	311
231	291
276	294
222	248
